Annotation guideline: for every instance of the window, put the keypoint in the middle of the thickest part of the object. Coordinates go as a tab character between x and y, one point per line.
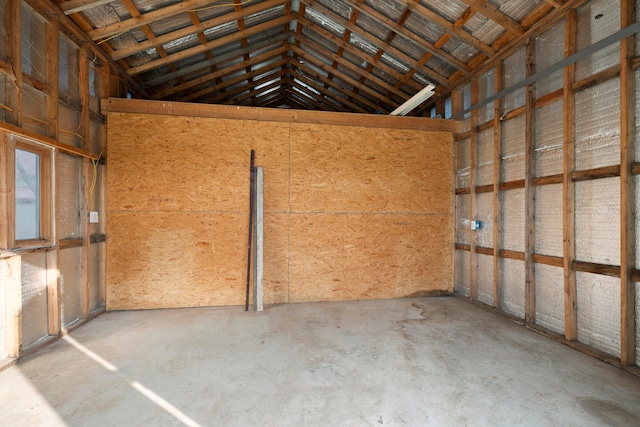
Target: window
32	195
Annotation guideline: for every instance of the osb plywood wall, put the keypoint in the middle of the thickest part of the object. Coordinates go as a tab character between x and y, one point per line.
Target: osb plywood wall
350	212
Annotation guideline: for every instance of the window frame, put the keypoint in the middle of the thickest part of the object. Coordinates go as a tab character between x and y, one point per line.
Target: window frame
46	193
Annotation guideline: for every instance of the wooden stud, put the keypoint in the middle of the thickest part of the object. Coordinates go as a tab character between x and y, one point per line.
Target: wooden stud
627	190
529	191
85	226
14	51
568	193
473	285
497	195
52	61
7	192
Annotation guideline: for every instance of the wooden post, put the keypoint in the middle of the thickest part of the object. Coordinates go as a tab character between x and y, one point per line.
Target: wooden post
497	178
258	264
627	190
85	226
11	274
529	191
14	50
473	199
568	194
52	64
7	194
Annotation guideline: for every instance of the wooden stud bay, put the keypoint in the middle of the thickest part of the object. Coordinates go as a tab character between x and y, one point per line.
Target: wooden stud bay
497	177
529	191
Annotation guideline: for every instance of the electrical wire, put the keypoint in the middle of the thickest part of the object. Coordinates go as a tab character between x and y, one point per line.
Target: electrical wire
112	37
6	107
94	180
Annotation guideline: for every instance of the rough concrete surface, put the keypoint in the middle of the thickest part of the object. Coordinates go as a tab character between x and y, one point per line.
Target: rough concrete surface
405	362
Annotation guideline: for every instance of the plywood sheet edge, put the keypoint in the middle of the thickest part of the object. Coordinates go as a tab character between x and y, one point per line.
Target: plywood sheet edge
139	106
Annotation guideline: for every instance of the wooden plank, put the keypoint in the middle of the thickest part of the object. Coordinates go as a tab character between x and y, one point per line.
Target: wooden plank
52	61
529	191
398	29
516	112
118	105
465	247
98	238
548	180
484	189
497	178
452	29
7	192
345	45
10	274
14	53
517	255
568	193
70	243
54	319
484	251
327	93
512	185
465	190
194	83
549	98
627	190
491	12
85	226
66	148
379	43
553	261
595	268
201	48
596	79
635	168
473	176
603	172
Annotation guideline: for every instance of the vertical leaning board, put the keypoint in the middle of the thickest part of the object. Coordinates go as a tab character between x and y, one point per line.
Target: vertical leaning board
350	212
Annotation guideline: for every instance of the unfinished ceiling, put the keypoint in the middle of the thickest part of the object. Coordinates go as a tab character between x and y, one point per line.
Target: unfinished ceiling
366	56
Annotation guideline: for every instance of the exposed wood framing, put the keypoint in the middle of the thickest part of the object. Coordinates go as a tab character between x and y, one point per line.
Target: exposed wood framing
529	193
568	193
473	263
497	196
627	191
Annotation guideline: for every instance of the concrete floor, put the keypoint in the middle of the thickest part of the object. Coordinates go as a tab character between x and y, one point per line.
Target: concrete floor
408	362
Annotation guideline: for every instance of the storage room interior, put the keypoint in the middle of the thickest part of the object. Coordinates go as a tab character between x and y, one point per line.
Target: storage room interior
331	212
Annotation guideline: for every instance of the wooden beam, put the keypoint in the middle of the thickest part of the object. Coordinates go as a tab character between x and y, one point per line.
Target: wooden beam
409	35
47	141
568	193
497	177
627	190
336	98
147	19
602	172
229	94
344	77
530	192
14	52
554	261
322	51
302	90
595	268
548	180
370	59
52	61
491	12
201	48
516	255
452	29
473	176
7	192
139	106
226	83
193	84
408	61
